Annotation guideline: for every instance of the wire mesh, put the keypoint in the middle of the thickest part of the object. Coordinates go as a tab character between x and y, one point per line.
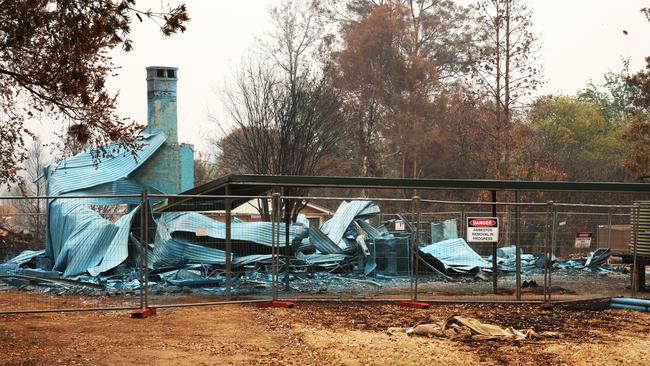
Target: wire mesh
174	250
83	259
355	252
203	252
578	272
459	269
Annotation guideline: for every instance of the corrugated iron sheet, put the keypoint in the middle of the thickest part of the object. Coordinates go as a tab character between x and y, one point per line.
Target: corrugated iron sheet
347	212
456	255
86	242
252	232
322	242
69	218
80	172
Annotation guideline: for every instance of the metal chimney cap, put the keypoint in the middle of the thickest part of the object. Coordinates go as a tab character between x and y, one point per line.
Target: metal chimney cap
162	67
162	72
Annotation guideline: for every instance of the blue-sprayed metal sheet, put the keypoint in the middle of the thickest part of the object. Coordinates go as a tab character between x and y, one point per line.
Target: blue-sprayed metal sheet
346	213
80	172
83	241
253	232
69	218
169	251
371	231
456	255
118	250
250	259
176	253
25	256
324	258
322	242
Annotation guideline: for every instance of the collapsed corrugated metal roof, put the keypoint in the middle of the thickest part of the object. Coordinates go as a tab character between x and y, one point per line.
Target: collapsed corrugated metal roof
456	255
172	249
347	212
81	171
78	238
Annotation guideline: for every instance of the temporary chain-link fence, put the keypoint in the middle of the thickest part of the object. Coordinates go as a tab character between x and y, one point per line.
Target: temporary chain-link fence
137	251
84	256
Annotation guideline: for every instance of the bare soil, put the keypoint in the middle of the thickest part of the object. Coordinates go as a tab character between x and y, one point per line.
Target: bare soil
319	334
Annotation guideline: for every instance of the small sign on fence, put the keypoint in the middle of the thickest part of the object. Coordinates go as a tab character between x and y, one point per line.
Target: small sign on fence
583	240
483	229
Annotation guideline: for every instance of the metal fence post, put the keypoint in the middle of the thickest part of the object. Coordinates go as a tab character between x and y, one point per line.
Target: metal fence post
547	258
635	233
609	228
275	247
462	224
287	244
517	248
277	240
494	247
141	263
145	246
228	208
415	248
552	249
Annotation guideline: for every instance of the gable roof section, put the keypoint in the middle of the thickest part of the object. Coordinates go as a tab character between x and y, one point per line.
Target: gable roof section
80	172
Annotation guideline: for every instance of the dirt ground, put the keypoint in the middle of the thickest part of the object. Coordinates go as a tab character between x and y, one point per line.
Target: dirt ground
320	334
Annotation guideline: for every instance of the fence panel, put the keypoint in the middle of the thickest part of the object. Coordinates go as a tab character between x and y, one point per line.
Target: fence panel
193	239
456	268
79	257
359	252
595	269
116	252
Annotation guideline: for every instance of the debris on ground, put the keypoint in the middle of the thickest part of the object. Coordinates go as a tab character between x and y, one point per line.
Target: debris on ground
459	327
346	254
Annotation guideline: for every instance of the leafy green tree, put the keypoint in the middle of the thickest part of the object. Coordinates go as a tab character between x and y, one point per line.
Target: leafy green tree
572	137
614	97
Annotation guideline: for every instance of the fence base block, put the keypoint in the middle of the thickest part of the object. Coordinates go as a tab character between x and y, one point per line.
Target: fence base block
413	304
274	304
143	313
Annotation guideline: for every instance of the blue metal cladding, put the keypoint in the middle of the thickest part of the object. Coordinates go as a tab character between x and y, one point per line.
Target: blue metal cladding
186	167
25	256
85	241
371	231
118	249
174	252
322	242
346	213
456	255
80	172
253	232
69	218
78	239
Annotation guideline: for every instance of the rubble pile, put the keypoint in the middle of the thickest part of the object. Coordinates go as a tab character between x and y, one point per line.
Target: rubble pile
346	254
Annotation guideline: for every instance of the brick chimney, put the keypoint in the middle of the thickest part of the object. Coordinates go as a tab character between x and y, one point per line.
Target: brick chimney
171	169
161	100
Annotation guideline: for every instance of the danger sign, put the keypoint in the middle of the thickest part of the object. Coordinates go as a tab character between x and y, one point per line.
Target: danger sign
482	229
583	240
